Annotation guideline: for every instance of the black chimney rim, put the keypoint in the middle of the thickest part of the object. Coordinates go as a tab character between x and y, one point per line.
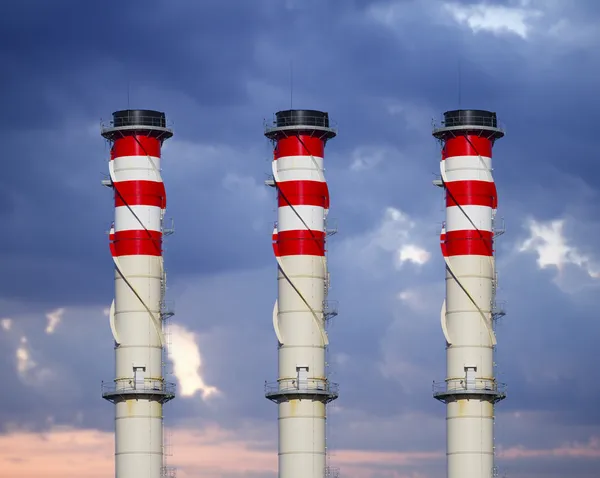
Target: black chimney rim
300	120
469	120
139	118
152	122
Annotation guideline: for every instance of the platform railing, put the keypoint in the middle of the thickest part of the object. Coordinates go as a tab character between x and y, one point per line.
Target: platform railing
457	385
489	121
282	122
130	386
156	121
295	385
332	472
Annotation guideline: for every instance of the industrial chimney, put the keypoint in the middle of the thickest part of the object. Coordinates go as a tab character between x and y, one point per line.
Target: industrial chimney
301	310
468	314
137	313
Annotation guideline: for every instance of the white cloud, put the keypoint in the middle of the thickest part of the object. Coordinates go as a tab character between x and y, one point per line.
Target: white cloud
24	361
54	318
394	235
547	240
516	19
407	295
187	363
394	229
496	19
28	369
6	323
558	26
412	253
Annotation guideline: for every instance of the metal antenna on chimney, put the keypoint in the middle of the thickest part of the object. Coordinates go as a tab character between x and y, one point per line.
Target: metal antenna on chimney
291	84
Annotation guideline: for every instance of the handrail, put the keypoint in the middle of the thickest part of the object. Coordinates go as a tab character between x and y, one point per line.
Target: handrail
486	124
168	472
128	385
167	307
488	121
318	121
308	385
332	472
139	120
330	308
460	385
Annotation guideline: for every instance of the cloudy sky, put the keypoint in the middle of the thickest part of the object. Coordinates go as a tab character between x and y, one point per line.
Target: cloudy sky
383	70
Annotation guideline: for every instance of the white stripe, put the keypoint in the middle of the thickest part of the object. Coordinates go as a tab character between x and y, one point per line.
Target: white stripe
468	168
313	217
300	168
469	161
125	220
300	175
303	162
457	220
137	168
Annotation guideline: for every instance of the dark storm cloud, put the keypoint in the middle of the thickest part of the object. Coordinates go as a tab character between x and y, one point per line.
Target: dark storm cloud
208	56
179	46
57	239
64	71
549	339
61	382
210	60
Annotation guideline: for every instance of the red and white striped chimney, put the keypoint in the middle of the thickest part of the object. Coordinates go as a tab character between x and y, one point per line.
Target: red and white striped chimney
139	389
470	390
300	313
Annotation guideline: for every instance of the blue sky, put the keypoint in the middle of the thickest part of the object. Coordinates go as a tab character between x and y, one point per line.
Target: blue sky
383	70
